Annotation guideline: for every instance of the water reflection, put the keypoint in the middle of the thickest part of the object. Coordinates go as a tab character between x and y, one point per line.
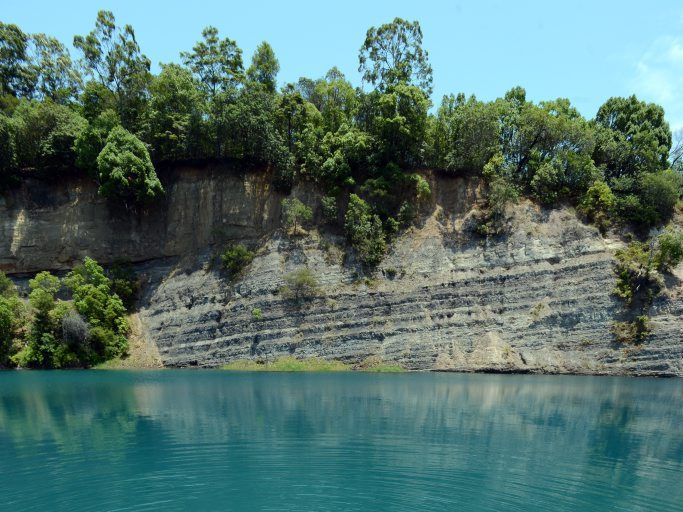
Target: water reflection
226	441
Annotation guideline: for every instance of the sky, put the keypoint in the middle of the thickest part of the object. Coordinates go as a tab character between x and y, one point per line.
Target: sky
586	51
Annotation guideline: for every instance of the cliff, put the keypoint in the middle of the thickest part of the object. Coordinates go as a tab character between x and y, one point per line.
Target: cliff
536	300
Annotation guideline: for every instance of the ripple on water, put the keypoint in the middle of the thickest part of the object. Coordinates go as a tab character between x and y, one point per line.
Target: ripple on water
181	440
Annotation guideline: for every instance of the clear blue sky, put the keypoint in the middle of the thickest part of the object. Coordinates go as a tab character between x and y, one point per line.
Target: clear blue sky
583	50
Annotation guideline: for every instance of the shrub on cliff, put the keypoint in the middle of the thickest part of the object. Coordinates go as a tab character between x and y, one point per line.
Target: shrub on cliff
300	285
235	258
125	170
669	249
364	231
295	213
598	204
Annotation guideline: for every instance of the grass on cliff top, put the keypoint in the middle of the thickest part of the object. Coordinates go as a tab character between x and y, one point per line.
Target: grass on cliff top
313	364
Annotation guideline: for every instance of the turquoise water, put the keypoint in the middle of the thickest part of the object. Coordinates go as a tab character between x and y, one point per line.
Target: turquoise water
209	440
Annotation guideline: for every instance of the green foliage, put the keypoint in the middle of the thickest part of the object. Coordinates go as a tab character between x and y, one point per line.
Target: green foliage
217	65
253	122
45	134
175	114
631	332
669	251
264	67
216	62
659	193
96	99
12	320
636	273
8	150
112	56
393	54
329	209
53	74
6	331
335	99
124	169
43	349
399	123
15	79
598	204
256	314
364	231
124	283
464	135
565	176
299	285
92	140
633	137
422	189
235	258
499	194
323	130
94	299
295	213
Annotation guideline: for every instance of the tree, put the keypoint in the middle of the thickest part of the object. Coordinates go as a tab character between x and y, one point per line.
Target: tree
399	124
12	319
216	62
125	169
294	114
364	231
294	213
659	193
96	99
8	150
393	54
676	155
254	133
335	98
45	134
54	74
103	310
464	135
6	332
92	140
264	67
43	350
15	77
112	55
633	137
175	112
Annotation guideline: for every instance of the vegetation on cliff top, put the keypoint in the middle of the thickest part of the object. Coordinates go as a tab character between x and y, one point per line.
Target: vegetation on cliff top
106	114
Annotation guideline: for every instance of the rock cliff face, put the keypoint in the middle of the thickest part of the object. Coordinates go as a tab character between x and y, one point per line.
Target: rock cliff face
537	300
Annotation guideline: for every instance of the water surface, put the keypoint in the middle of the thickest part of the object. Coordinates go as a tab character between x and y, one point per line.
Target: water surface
205	440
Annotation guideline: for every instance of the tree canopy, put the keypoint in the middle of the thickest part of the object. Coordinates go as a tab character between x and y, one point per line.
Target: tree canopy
110	117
